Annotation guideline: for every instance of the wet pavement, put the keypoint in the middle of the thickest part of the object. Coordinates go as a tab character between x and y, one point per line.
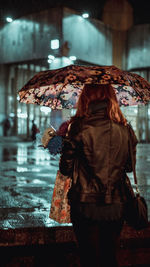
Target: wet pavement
27	176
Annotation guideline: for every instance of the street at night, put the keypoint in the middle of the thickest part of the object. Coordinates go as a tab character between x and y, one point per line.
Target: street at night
51	51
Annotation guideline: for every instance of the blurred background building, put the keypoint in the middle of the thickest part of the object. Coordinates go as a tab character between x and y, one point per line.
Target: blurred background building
53	34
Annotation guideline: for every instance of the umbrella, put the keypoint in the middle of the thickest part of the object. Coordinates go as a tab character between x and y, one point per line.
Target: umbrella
61	88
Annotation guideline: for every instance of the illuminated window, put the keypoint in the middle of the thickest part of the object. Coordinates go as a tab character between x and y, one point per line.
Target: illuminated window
55	44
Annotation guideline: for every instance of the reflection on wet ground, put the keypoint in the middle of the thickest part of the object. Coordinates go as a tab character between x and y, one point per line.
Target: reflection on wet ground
27	176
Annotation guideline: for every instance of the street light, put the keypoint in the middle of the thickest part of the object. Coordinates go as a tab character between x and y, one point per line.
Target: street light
8	19
73	58
50	58
85	15
49	61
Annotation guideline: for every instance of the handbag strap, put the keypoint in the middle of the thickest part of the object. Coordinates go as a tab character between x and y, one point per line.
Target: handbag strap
133	167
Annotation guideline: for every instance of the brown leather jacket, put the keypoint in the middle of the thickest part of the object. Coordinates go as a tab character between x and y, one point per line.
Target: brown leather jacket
96	155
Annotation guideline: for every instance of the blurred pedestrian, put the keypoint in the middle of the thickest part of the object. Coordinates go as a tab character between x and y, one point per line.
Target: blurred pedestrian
96	155
34	130
6	126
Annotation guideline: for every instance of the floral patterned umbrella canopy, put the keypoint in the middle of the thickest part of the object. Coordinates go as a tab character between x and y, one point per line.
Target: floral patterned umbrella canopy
61	88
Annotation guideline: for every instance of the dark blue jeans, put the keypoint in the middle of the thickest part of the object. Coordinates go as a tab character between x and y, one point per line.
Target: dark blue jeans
97	240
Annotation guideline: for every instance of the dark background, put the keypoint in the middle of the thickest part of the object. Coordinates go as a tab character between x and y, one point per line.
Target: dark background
18	8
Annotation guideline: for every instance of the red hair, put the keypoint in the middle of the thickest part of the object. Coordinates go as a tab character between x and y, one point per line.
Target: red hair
95	92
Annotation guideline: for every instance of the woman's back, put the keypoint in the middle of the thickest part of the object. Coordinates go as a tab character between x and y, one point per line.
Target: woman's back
101	154
96	154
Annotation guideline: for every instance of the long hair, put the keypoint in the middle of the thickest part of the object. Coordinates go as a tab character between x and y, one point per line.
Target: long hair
100	92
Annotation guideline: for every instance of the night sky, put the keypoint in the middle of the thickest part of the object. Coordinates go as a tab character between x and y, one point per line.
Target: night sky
18	8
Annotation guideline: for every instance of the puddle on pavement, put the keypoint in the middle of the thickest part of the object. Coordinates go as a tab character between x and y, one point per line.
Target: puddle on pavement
25	154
